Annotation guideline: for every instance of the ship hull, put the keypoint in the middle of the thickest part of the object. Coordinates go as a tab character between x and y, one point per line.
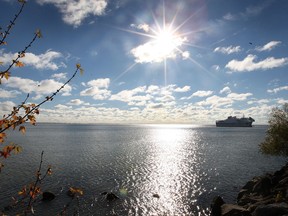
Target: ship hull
233	125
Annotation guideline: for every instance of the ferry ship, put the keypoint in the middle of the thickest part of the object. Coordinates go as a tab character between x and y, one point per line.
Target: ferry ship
233	121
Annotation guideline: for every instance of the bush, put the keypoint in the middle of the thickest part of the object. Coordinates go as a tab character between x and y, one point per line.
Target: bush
276	140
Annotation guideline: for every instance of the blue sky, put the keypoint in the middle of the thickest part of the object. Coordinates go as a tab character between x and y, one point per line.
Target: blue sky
189	61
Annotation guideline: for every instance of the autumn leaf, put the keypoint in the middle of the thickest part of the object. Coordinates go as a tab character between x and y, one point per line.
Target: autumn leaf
81	71
49	170
75	191
22	55
32	119
1	63
22	129
7	75
38	33
6	151
36	111
78	66
19	64
17	149
34	192
3	43
22	1
23	191
2	137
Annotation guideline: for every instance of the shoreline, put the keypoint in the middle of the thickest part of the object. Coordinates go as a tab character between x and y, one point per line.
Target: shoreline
265	195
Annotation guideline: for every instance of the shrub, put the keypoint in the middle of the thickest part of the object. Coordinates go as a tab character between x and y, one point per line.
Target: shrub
276	140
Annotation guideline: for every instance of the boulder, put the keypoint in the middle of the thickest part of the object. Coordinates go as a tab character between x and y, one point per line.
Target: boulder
156	196
111	196
48	196
263	186
275	209
234	210
216	206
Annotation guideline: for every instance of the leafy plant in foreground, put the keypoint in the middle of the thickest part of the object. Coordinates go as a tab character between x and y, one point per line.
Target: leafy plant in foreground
276	140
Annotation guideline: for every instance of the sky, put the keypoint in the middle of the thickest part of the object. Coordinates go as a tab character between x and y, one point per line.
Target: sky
153	61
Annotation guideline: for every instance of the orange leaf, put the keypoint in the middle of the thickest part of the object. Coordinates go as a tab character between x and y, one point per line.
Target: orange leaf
38	33
2	137
19	64
17	149
7	75
22	129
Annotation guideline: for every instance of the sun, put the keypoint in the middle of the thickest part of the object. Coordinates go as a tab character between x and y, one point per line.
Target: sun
166	44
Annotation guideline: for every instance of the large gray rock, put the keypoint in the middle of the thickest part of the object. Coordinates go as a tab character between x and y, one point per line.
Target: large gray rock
216	206
263	186
275	209
234	210
48	196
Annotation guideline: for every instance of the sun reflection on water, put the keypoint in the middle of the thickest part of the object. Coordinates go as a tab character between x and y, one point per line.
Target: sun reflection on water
172	182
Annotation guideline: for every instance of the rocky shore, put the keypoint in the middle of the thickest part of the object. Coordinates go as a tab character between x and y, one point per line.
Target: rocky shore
265	195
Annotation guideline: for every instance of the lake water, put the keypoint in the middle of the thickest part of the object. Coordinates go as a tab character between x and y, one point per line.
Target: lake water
185	165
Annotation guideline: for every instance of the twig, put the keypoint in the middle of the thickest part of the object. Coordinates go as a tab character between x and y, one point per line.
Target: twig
12	23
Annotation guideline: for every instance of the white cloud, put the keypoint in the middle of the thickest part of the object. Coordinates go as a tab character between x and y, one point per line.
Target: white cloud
42	62
183	89
77	102
59	76
132	95
185	55
74	11
201	93
248	64
229	17
228	50
216	101
6	106
239	97
269	46
63	107
8	94
145	27
98	89
249	12
225	90
275	90
44	87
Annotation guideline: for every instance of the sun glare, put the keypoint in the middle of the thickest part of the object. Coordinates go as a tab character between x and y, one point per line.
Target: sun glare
166	43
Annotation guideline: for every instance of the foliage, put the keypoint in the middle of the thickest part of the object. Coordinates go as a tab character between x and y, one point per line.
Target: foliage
24	112
276	140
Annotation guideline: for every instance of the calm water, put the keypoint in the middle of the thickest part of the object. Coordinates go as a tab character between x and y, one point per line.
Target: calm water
185	165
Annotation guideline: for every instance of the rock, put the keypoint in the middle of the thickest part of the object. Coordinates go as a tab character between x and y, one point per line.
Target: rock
250	184
263	186
216	206
156	196
241	194
8	208
275	209
234	210
111	196
48	196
